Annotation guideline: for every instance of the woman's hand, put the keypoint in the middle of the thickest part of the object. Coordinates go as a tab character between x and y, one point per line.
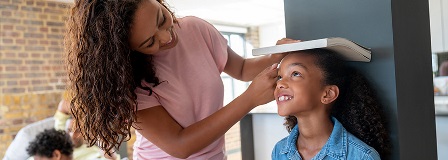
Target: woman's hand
261	90
280	42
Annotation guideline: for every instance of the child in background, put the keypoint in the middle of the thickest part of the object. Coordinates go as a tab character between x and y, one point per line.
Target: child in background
331	112
51	144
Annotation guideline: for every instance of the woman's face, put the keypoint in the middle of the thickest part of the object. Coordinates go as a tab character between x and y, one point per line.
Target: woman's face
152	29
299	86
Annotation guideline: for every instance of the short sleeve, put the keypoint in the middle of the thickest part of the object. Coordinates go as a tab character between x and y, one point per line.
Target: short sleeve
144	100
216	42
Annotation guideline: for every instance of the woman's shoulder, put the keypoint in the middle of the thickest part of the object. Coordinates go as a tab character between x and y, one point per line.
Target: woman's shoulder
193	21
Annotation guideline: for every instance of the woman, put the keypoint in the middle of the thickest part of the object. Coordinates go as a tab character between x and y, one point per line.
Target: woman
133	64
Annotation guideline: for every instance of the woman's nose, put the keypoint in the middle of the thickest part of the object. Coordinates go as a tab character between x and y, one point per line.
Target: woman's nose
164	36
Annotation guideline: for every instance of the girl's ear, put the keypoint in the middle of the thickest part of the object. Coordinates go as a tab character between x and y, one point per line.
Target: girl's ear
331	94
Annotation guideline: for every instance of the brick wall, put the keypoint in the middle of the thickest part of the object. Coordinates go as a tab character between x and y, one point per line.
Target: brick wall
32	75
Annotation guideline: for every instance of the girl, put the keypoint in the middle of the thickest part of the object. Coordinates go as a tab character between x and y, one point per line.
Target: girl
133	64
320	97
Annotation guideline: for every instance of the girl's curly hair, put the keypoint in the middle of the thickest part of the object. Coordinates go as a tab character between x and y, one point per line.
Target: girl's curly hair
104	71
357	107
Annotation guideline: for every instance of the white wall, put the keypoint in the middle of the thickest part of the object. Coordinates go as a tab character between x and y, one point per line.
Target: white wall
439	25
268	130
270	33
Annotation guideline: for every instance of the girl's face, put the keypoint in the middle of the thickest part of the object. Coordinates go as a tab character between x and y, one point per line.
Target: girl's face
152	29
299	85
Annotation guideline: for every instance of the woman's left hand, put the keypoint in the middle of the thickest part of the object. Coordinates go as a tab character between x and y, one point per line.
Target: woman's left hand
280	42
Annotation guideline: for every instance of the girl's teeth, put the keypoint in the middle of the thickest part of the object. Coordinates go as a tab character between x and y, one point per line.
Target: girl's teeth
284	98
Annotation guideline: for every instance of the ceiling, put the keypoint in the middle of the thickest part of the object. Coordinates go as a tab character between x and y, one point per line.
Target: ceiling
232	12
242	13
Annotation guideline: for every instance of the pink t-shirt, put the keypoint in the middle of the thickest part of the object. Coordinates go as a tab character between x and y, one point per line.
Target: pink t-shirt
193	88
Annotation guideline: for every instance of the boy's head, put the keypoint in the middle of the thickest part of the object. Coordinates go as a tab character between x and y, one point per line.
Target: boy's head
307	79
51	144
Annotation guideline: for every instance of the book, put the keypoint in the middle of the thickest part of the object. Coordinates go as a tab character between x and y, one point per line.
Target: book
348	50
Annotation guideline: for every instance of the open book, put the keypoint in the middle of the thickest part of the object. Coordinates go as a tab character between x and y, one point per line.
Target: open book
348	50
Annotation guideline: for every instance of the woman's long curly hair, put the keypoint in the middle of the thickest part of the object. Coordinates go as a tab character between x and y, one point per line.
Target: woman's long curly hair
104	71
357	107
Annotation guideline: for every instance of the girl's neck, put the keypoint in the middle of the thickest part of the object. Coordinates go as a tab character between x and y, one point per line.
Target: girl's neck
314	133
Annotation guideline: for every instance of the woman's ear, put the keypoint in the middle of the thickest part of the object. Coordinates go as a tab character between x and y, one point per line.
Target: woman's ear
331	94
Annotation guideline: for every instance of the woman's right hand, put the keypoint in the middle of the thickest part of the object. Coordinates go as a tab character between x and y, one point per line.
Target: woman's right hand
261	90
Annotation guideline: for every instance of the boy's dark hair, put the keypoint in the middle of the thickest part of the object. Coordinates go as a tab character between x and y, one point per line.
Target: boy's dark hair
48	141
357	107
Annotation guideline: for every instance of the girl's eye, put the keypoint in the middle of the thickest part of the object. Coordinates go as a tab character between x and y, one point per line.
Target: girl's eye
296	74
279	78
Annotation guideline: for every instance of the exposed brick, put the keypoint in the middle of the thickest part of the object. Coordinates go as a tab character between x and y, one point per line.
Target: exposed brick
32	9
24	82
23	55
7	41
5	20
35	68
6	13
23	68
10	68
36	82
51	4
13	90
34	75
35	55
57	11
10	55
20	28
29	3
43	16
55	49
55	24
44	42
32	41
14	48
29	62
41	88
34	48
10	61
53	36
46	55
9	34
43	29
8	7
10	75
20	41
11	83
17	121
55	30
33	22
40	3
7	27
33	35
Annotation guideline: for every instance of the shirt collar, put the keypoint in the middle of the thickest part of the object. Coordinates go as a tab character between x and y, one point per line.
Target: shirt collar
335	147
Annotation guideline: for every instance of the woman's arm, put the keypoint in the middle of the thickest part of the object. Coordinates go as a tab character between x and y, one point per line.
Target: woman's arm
246	69
161	129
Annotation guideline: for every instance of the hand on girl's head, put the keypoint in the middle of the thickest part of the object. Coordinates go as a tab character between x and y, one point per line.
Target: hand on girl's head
263	85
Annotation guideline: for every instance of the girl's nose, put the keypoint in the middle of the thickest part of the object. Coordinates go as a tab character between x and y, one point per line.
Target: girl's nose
281	84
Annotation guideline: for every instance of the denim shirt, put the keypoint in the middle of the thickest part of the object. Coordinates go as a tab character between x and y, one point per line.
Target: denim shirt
341	145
